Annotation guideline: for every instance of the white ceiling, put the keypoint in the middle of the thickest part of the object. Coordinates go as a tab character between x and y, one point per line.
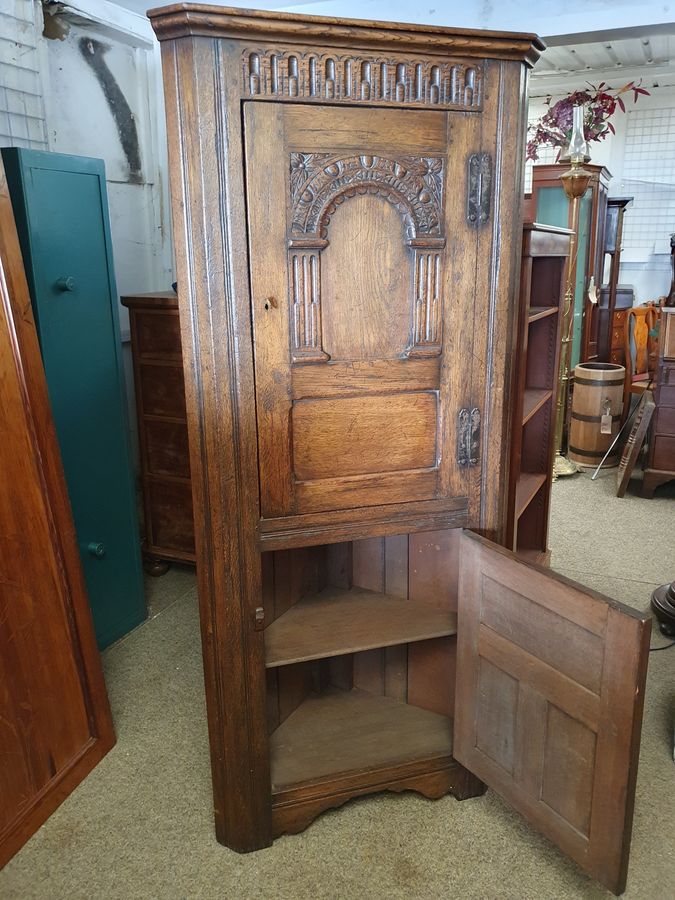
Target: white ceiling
648	56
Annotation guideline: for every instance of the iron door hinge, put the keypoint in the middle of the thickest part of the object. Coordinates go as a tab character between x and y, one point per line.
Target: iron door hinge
468	437
479	189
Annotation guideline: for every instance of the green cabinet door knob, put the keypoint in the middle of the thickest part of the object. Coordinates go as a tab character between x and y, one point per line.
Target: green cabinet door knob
65	283
97	549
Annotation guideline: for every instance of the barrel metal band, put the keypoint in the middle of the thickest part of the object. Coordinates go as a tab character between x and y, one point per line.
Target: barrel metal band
592	383
594	454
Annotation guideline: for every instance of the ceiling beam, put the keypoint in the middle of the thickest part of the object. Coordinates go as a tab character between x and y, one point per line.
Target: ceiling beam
611	34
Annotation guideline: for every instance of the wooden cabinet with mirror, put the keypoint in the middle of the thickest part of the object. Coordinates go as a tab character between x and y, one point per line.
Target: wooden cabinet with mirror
550	205
348	235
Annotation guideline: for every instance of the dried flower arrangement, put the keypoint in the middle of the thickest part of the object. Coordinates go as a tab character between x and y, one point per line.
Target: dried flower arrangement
600	103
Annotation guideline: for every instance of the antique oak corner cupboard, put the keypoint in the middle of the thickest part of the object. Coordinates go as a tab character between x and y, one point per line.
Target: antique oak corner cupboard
347	211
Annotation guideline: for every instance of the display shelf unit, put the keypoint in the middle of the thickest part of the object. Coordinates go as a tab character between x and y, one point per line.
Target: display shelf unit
545	252
551	205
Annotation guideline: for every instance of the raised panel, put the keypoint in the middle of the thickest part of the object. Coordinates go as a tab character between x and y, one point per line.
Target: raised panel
569	761
552	638
354	436
162	390
366	282
166	447
157	333
497	715
172	524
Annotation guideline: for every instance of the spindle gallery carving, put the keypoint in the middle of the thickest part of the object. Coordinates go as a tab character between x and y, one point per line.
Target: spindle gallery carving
392	80
319	183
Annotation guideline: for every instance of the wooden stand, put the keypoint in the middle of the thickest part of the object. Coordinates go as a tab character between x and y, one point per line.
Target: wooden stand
542	287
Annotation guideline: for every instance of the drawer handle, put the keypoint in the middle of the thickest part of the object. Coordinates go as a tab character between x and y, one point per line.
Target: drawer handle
65	283
97	549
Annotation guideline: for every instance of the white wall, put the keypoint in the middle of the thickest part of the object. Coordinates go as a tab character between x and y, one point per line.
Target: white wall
50	98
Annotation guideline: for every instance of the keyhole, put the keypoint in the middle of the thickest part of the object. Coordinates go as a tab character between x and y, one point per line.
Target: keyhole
270	303
267	304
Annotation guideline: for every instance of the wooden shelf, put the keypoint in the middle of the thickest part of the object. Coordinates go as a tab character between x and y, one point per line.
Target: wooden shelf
334	622
540	312
533	400
527	487
345	731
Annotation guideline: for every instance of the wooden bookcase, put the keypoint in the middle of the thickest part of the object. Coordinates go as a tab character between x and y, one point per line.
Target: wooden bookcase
542	288
348	239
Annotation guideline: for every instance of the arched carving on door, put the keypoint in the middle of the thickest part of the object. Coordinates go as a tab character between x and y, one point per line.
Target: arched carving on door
319	183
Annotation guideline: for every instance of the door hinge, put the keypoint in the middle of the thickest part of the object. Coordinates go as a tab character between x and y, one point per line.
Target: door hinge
258	618
468	436
479	189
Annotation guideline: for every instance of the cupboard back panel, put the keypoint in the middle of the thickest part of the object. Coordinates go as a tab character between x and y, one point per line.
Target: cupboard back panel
421	568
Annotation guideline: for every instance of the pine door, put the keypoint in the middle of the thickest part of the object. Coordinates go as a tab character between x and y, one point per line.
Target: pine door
363	279
548	707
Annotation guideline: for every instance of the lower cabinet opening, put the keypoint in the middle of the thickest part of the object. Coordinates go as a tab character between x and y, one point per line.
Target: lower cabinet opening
360	654
341	729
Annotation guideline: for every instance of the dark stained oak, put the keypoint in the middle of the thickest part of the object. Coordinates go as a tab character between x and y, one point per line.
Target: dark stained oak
55	722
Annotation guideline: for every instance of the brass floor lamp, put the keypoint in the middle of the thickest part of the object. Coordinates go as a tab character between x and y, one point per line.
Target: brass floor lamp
575	184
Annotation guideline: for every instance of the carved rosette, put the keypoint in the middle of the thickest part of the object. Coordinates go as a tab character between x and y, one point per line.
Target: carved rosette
319	183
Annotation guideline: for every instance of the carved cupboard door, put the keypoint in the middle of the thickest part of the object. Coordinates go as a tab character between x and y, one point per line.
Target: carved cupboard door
363	279
549	696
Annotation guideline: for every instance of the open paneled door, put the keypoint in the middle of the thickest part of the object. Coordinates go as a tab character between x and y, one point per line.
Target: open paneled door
549	697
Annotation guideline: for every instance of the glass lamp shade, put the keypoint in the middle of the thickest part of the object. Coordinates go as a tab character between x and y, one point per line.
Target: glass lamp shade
576	150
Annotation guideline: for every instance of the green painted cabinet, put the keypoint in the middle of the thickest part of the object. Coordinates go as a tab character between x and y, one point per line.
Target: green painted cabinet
60	204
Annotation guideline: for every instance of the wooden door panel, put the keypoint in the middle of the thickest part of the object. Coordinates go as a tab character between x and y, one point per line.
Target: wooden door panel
356	309
55	722
550	689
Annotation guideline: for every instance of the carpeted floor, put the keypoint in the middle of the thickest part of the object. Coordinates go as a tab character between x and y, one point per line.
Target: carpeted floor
140	826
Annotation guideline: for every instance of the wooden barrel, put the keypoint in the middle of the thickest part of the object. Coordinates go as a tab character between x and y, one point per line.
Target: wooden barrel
598	387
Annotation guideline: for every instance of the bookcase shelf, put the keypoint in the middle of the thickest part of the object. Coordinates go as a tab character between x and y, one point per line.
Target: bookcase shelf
527	487
338	732
533	400
336	621
541	312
